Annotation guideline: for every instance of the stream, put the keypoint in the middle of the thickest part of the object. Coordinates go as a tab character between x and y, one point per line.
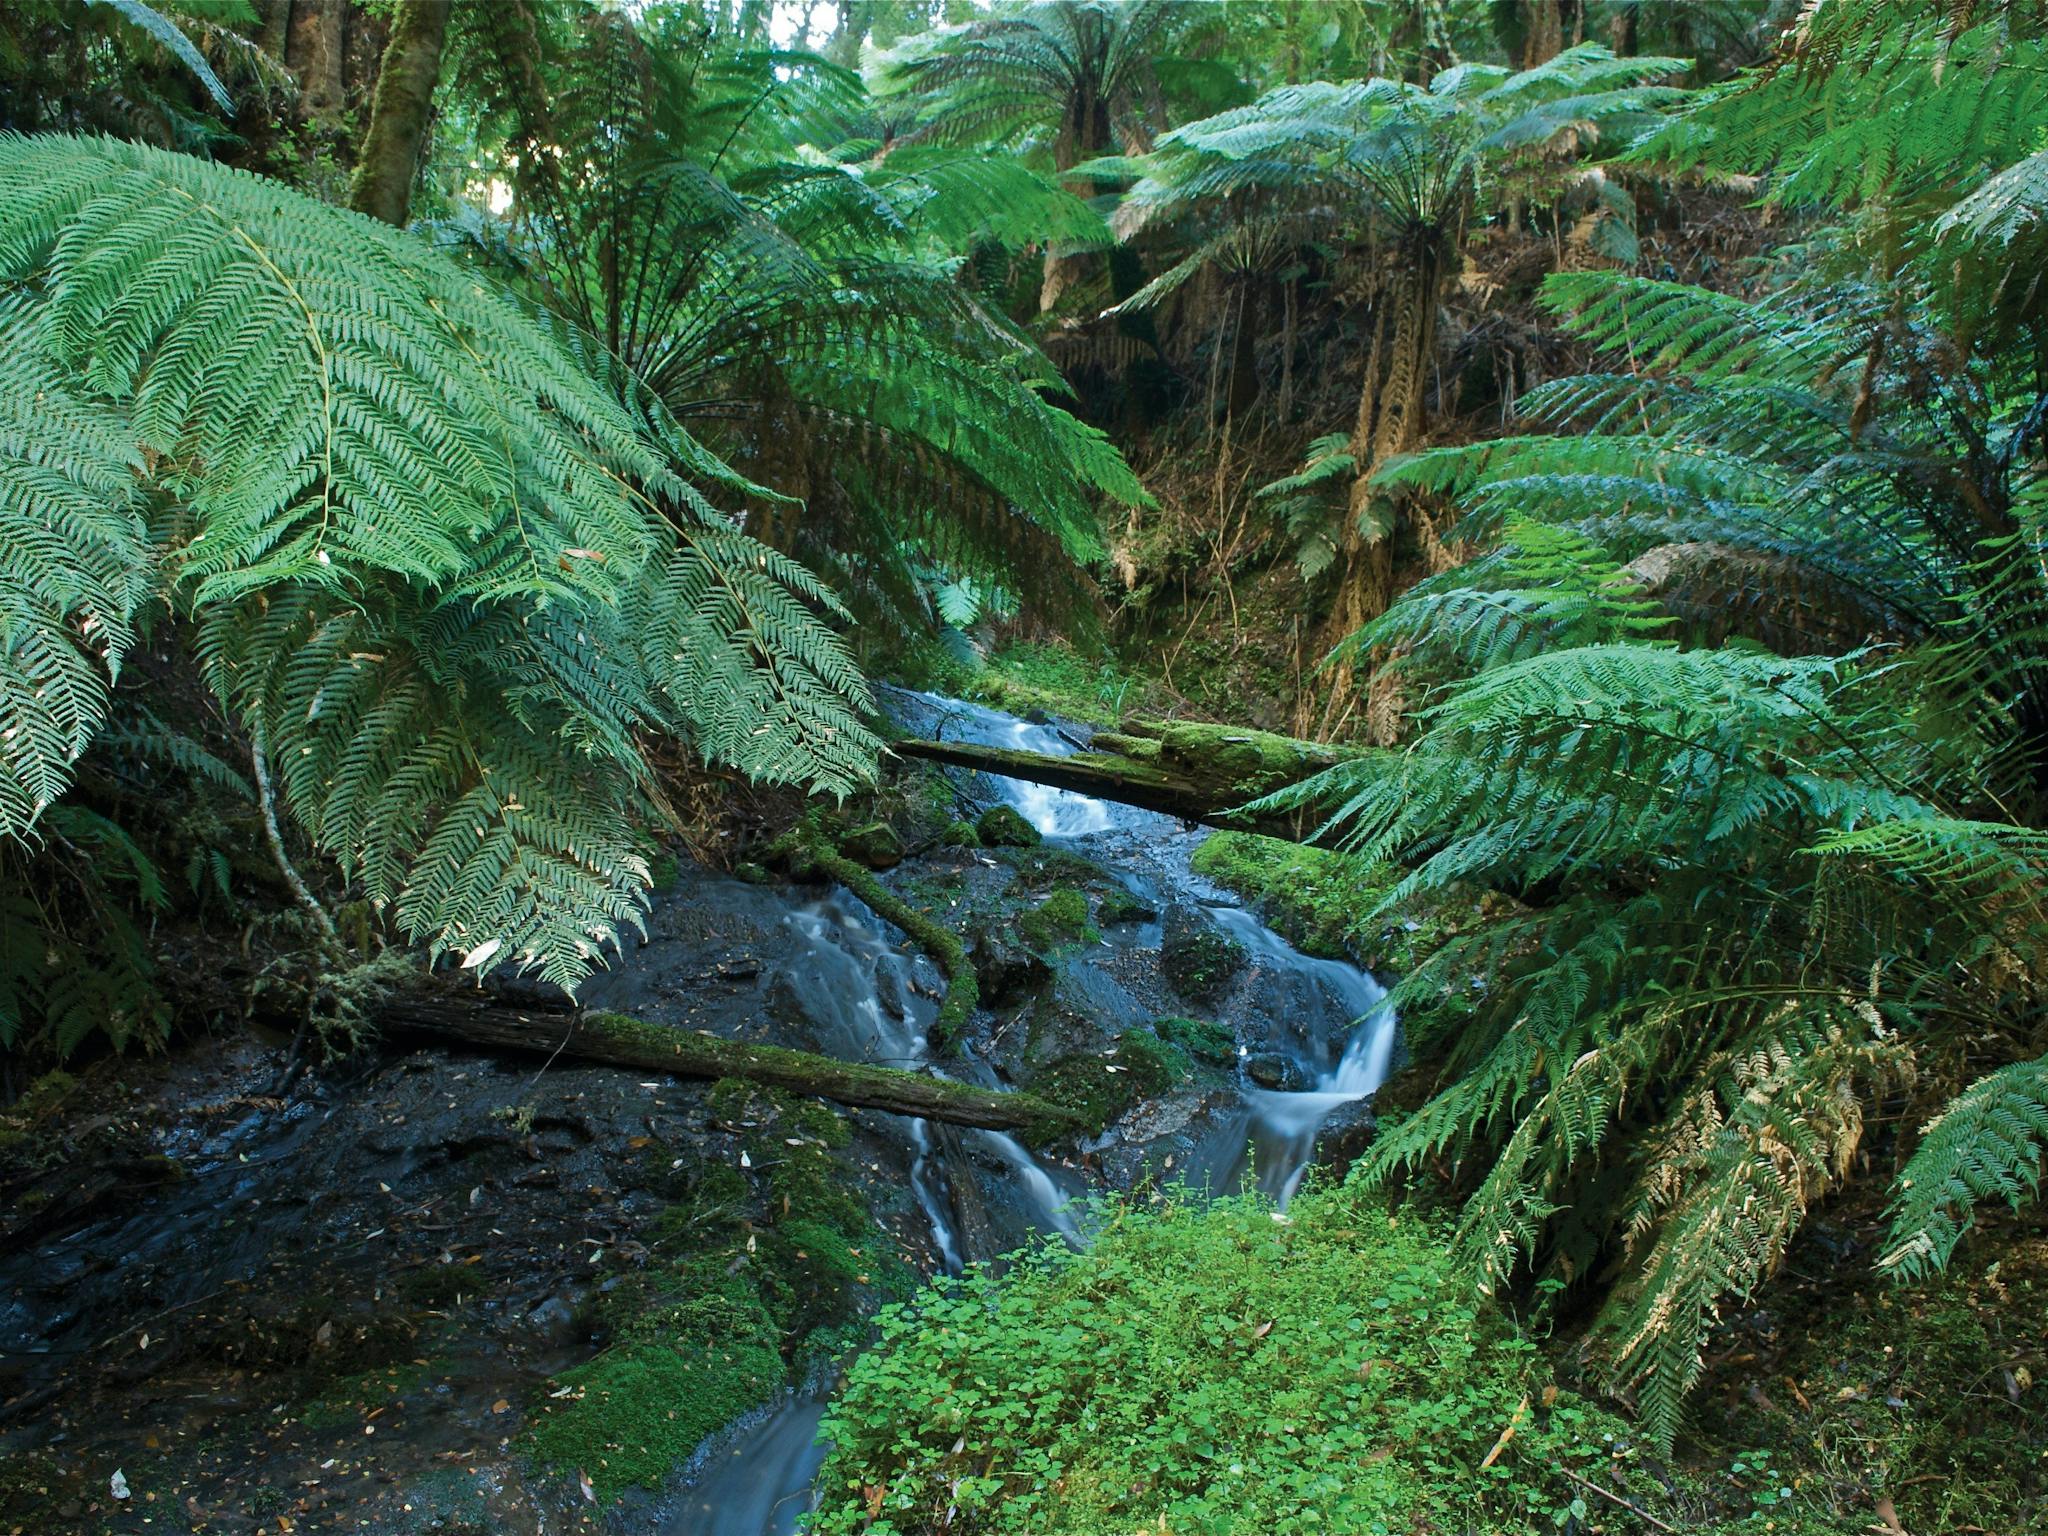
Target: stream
1331	1019
353	1308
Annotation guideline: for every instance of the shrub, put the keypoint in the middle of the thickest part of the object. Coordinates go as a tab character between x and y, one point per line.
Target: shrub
1205	1368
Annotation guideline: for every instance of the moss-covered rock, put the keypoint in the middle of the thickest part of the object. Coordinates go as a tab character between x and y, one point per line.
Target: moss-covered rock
1102	1087
1203	1039
683	1370
875	845
1121	906
1003	826
1057	922
1199	958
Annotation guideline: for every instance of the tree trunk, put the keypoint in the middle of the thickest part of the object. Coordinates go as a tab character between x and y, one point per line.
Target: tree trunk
1197	772
1244	371
315	40
399	116
614	1040
271	30
849	31
1544	29
1390	420
1627	31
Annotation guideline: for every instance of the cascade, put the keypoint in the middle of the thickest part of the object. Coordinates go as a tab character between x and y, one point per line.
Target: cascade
760	1483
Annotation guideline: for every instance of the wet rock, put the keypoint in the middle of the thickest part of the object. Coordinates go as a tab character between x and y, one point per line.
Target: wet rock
554	1320
1199	958
1084	1011
1203	1039
1121	906
1005	969
1345	1136
1002	826
875	845
1277	1070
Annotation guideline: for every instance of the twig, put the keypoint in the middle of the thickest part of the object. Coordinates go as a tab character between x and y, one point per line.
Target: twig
1640	1514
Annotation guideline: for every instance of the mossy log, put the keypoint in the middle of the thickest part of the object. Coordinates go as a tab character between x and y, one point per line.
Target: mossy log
808	852
1199	773
617	1040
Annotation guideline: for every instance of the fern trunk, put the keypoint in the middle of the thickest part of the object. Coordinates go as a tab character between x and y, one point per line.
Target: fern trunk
403	107
1390	420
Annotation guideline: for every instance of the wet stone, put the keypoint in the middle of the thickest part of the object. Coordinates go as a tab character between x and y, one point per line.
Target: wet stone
1278	1071
1199	958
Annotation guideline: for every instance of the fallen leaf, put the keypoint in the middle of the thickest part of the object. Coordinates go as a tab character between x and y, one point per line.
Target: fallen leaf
583	1482
501	1406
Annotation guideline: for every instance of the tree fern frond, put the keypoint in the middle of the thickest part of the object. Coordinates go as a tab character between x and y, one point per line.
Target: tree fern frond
165	32
1987	1143
74	567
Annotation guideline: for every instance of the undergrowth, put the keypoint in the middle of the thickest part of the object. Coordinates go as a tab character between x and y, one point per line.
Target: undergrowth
1210	1368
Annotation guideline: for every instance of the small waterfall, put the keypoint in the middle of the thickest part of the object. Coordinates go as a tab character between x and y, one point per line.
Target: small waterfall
1055	812
1046	1197
1279	1127
761	1484
1283	1125
855	987
853	966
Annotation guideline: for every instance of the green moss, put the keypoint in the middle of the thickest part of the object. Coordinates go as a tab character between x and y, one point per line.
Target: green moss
1002	826
959	834
1327	903
664	872
876	845
1121	906
1203	1039
1103	1088
684	1370
1040	869
1057	922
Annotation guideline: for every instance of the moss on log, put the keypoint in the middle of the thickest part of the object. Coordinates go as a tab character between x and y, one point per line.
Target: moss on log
808	851
619	1040
1198	772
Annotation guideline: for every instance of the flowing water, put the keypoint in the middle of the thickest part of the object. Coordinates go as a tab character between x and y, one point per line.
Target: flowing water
858	989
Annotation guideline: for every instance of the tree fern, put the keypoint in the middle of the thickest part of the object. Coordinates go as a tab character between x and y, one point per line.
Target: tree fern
449	578
1760	890
796	302
74	567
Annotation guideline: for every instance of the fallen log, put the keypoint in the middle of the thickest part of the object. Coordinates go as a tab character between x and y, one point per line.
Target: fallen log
1200	773
616	1040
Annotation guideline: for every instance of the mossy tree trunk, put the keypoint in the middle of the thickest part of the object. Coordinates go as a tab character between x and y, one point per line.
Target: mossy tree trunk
1199	773
401	111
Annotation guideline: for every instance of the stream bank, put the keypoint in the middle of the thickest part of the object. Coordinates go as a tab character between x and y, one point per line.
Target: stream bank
442	1291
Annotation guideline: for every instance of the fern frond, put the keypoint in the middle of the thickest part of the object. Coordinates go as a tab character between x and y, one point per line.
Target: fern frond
74	567
1986	1144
